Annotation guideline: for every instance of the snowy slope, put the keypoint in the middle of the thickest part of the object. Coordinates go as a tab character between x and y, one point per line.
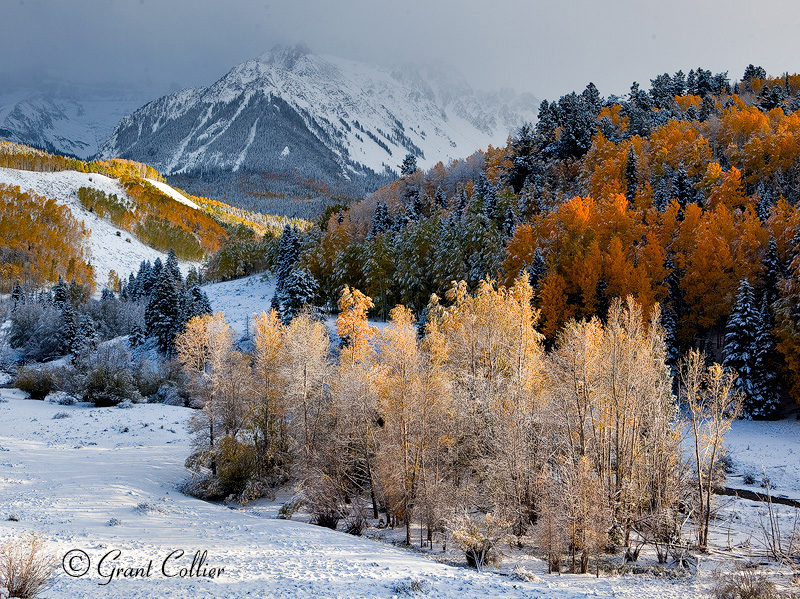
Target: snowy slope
328	118
241	299
173	193
66	479
108	251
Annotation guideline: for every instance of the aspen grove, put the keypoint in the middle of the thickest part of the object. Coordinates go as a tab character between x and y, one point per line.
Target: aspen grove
465	427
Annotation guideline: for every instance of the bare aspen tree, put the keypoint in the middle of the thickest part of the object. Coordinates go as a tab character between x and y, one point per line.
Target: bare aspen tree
712	403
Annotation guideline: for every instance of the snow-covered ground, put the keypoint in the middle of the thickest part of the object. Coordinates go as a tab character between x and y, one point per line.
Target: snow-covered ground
108	250
766	448
241	299
173	193
67	477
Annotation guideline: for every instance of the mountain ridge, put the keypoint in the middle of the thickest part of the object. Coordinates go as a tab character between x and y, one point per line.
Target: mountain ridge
303	117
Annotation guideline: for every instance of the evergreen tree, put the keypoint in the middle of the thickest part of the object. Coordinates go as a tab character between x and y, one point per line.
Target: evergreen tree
60	295
461	204
682	187
772	272
68	335
288	254
381	221
152	279
630	175
162	315
300	290
192	278
528	204
741	348
85	341
172	268
17	296
409	166
537	268
670	323
523	158
766	365
137	337
195	304
679	84
440	197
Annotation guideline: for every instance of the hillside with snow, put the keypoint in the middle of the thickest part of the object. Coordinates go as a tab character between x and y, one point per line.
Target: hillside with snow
301	117
109	248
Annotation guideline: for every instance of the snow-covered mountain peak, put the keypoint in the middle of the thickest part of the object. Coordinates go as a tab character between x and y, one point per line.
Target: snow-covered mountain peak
345	123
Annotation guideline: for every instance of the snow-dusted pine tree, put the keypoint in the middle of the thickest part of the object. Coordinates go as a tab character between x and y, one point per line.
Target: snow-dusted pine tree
162	315
742	349
299	290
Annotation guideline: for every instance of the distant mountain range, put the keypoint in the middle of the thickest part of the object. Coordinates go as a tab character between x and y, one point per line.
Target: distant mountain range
289	124
64	118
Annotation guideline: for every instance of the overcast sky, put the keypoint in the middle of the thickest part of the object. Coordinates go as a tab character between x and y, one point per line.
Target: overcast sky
548	48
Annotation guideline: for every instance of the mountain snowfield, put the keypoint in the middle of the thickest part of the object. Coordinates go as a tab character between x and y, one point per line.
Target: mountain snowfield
323	115
109	247
74	123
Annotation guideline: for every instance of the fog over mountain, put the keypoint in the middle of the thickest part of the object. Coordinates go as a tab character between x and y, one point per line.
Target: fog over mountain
547	48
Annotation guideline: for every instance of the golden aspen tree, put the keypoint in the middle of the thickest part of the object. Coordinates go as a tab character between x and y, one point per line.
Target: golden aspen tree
268	409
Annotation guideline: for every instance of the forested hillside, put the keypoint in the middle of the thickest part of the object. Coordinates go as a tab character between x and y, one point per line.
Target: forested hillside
54	244
684	195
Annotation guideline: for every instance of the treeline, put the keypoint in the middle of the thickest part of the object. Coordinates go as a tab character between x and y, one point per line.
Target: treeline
154	303
673	195
573	451
40	241
13	155
149	309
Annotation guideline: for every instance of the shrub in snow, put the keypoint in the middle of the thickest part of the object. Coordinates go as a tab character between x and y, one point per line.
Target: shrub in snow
62	398
13	517
169	394
479	542
109	385
203	486
356	522
289	508
60	415
412	586
36	382
746	582
520	573
26	568
235	464
146	507
114	522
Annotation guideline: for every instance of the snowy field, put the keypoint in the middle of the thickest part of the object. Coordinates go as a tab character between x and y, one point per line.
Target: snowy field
108	250
241	299
68	472
66	478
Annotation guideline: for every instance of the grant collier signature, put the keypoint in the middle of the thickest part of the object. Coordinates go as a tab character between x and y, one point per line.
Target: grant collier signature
111	566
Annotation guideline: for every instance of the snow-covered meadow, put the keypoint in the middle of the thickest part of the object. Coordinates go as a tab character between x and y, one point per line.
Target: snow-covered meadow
102	480
105	480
